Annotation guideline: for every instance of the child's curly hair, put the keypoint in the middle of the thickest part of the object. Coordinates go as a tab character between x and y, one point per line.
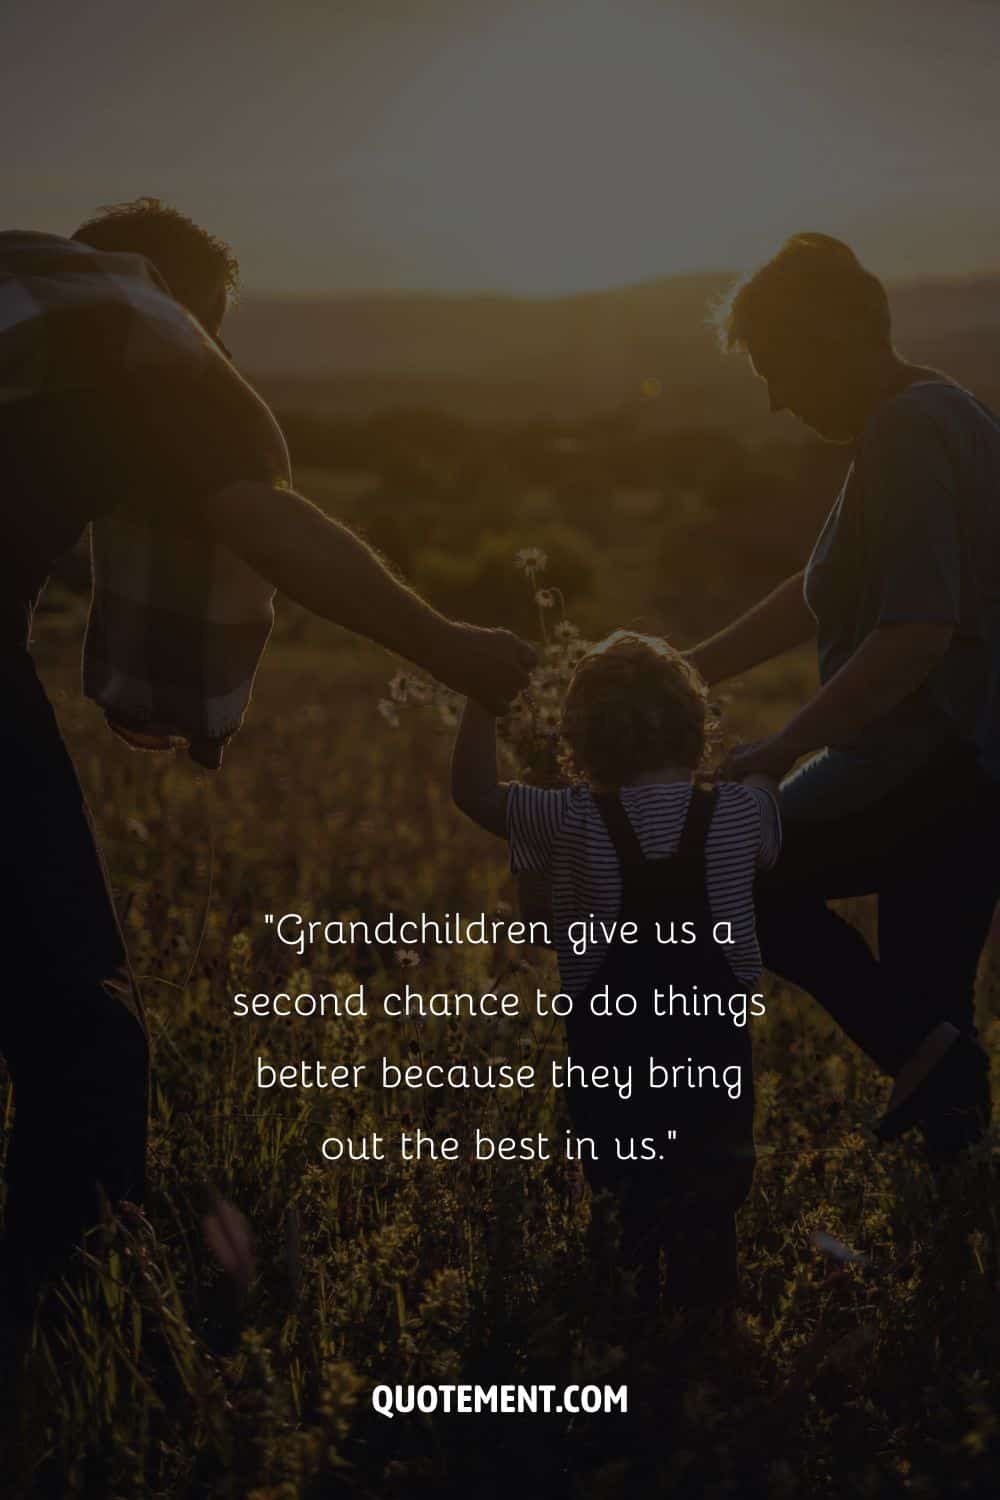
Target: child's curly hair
634	703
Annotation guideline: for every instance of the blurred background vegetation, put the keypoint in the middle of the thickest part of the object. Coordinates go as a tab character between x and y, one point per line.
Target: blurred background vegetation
664	501
607	429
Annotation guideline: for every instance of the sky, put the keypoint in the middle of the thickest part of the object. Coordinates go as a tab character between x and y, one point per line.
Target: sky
534	147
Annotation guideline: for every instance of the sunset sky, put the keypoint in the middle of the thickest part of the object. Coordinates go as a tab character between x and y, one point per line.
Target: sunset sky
538	147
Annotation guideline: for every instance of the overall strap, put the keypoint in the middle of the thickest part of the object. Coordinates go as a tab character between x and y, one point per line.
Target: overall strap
699	816
620	831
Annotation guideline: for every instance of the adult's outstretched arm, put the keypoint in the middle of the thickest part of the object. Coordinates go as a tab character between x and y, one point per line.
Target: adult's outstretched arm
325	567
778	622
891	662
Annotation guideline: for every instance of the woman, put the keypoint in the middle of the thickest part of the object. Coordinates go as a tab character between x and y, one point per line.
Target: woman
902	594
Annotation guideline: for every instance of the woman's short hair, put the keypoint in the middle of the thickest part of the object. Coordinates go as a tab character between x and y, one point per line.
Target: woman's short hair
815	283
634	704
192	262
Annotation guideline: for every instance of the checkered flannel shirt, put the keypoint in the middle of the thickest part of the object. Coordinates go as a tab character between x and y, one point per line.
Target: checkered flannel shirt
177	623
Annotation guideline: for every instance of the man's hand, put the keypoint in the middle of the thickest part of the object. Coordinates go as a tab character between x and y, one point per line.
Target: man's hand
771	757
323	565
489	666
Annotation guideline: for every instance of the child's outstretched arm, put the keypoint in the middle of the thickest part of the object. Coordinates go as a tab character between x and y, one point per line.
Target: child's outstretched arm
475	780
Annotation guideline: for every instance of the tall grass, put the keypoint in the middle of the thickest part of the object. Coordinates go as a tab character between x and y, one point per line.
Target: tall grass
152	1374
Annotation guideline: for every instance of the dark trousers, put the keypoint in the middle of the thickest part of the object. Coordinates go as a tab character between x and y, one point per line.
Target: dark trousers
71	1026
930	851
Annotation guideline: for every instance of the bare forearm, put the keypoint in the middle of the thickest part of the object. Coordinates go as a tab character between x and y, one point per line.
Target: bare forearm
889	665
779	622
324	566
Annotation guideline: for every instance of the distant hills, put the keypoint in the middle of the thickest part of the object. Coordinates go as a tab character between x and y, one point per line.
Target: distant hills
559	358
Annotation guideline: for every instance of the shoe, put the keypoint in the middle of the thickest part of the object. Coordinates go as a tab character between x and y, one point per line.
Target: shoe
950	1102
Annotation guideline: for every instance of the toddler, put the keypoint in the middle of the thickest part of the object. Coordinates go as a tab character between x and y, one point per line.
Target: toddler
634	838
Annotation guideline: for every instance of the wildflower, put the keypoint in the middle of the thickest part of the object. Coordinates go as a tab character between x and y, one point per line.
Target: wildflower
407	958
545	598
399	687
546	679
389	712
530	560
565	630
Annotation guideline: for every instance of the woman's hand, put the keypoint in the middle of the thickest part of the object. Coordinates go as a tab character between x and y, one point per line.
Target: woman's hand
771	757
891	662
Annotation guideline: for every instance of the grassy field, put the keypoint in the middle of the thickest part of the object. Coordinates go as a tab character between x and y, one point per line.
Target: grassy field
154	1376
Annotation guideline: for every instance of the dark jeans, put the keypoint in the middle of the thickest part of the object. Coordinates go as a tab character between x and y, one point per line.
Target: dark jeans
71	1025
930	850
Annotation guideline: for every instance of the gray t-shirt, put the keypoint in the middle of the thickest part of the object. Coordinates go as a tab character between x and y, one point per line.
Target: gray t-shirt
914	535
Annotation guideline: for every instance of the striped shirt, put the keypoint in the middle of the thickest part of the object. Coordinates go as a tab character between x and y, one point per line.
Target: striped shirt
561	834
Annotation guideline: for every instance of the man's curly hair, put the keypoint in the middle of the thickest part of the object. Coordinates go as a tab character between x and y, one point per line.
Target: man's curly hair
192	262
635	704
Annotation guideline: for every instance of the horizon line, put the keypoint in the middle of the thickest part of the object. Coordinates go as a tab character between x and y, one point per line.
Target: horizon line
486	294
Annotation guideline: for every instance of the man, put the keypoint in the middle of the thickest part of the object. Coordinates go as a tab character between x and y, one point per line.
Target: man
902	593
71	1027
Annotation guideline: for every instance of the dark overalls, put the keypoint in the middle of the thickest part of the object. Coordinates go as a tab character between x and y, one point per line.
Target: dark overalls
684	1202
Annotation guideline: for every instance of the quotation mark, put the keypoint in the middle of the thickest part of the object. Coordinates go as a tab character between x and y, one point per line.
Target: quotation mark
269	917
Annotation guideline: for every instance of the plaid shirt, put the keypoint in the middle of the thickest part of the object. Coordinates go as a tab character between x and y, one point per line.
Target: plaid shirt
177	623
